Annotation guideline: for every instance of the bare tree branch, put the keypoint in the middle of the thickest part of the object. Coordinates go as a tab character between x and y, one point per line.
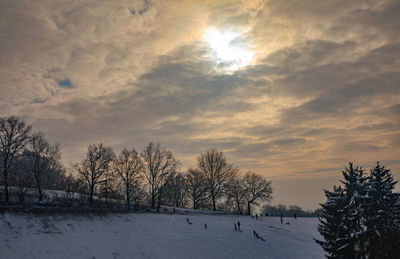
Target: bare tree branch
97	162
14	135
159	163
129	167
217	172
257	188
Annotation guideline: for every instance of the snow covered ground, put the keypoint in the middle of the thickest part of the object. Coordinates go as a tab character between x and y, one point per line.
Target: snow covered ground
147	235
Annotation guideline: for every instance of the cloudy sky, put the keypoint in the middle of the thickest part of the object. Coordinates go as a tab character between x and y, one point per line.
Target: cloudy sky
290	89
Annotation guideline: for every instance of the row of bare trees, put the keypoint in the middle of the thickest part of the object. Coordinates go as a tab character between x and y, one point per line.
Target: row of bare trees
29	156
127	173
151	177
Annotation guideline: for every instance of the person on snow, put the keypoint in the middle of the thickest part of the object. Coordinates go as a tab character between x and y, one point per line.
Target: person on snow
281	218
238	224
256	217
258	236
235	226
205	226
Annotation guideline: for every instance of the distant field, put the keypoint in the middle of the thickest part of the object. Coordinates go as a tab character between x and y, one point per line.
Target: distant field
148	235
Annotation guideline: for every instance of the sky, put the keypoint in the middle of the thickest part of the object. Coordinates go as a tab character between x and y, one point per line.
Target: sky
292	89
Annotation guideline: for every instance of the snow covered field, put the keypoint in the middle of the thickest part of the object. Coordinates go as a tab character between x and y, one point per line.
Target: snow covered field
155	236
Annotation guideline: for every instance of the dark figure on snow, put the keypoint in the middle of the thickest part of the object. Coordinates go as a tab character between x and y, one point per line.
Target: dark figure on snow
281	218
254	233
187	220
295	216
205	226
256	217
235	226
238	224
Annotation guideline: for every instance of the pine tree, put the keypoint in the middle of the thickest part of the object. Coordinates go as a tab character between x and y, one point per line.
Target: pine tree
342	217
355	196
382	229
362	220
331	225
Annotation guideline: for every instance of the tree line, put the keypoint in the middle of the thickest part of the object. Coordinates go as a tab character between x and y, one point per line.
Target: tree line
152	177
288	211
361	217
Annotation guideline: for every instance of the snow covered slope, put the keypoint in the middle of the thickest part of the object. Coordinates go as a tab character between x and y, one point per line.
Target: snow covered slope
155	236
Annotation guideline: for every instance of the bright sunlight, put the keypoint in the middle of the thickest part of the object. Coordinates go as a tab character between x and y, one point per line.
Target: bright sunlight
226	50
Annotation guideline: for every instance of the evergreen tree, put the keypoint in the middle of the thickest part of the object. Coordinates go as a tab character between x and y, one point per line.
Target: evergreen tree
382	229
354	198
342	217
331	225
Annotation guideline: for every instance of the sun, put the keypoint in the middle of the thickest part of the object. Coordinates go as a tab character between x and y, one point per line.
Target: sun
228	49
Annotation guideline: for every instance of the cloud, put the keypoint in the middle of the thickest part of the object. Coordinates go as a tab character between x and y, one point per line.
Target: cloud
322	89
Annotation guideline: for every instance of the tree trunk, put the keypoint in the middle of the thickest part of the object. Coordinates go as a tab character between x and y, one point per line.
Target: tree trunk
213	200
153	199
248	208
40	193
37	178
6	184
194	202
127	195
159	201
238	205
91	194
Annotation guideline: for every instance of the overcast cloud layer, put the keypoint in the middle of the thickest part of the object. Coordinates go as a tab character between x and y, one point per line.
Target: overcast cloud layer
322	90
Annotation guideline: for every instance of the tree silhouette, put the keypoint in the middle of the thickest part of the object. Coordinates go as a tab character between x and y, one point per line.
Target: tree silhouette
14	135
217	172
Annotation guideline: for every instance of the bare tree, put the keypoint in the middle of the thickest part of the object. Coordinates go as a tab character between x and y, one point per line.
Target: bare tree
196	188
21	178
159	163
129	167
14	135
44	157
73	185
257	188
137	194
95	165
175	190
218	173
237	194
107	186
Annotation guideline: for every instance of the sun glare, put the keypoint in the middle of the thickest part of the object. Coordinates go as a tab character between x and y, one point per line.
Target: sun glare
226	50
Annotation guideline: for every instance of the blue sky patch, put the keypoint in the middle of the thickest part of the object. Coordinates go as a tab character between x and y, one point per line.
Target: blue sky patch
65	83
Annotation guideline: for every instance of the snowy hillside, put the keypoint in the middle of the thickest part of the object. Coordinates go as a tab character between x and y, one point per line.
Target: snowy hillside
155	236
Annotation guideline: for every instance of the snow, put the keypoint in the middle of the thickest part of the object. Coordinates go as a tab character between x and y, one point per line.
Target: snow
148	235
49	195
